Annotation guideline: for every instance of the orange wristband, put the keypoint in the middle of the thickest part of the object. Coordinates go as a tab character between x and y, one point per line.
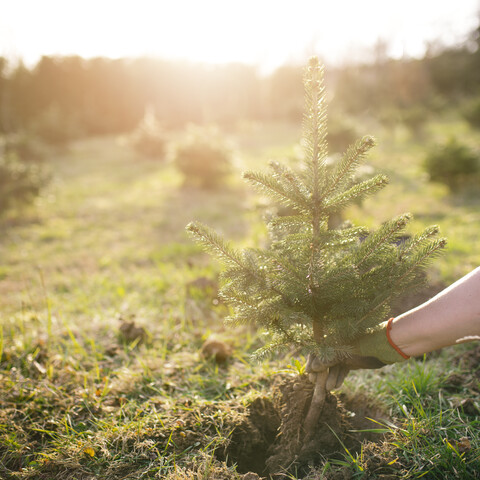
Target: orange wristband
390	341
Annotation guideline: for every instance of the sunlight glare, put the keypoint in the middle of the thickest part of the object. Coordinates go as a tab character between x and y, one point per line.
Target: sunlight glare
262	33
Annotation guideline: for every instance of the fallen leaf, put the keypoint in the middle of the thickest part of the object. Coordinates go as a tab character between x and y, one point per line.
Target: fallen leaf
464	445
39	367
89	451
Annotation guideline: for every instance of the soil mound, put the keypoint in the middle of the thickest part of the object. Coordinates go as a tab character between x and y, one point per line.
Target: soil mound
269	440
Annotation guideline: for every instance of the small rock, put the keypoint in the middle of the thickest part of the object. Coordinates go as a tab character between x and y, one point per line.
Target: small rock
250	476
213	348
130	332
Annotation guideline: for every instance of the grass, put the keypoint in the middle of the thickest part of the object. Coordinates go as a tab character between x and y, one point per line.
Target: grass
432	437
105	245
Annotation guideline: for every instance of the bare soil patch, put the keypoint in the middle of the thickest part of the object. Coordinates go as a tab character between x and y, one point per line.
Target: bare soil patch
269	439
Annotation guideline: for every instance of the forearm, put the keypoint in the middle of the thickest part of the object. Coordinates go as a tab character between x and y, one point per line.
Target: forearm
448	318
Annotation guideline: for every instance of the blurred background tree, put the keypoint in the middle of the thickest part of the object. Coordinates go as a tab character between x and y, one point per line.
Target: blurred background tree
107	96
20	182
454	164
204	157
149	139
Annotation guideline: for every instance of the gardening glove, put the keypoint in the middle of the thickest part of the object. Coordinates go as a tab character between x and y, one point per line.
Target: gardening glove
373	350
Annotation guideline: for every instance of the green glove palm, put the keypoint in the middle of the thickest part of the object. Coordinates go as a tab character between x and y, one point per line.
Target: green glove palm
375	349
378	344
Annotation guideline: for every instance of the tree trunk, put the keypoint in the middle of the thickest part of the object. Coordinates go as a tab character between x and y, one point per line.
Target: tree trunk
319	393
316	406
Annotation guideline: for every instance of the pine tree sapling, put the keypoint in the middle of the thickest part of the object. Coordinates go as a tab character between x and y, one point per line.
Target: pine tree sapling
149	138
204	157
454	164
314	288
20	182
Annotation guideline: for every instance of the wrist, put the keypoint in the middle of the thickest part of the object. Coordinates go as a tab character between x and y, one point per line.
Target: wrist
409	336
392	339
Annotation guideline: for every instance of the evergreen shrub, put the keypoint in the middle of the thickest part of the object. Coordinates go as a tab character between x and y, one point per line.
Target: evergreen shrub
319	285
26	147
453	164
204	157
149	138
472	113
20	182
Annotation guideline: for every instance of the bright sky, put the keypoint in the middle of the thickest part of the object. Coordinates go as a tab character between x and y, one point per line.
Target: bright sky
262	32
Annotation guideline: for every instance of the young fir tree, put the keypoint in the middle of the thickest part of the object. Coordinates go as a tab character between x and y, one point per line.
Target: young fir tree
317	289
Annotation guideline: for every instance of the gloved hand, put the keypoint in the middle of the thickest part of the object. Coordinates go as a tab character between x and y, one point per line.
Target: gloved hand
375	349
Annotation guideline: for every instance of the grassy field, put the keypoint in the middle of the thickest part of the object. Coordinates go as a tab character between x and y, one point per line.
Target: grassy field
105	304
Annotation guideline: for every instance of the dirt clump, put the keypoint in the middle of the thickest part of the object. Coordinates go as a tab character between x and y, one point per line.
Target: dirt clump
289	448
216	349
130	332
270	439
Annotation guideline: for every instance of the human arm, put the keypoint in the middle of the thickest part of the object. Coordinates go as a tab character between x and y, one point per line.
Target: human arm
452	316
